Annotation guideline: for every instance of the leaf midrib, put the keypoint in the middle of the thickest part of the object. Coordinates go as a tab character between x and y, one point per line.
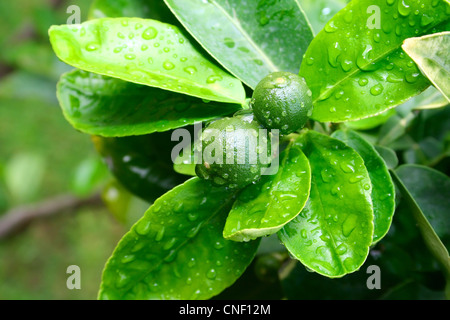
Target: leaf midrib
238	26
245	231
183	243
324	225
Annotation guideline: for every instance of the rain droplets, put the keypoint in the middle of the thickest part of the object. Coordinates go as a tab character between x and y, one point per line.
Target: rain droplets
150	33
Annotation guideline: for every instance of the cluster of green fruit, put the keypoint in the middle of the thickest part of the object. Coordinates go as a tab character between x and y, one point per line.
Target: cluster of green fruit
281	101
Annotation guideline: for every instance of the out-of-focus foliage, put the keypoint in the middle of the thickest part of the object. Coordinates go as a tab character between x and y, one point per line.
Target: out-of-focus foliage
41	156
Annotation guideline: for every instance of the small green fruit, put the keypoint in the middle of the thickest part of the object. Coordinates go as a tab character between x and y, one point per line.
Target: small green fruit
282	100
233	154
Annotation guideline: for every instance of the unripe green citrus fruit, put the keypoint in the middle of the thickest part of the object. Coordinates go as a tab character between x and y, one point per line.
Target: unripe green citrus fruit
233	152
282	100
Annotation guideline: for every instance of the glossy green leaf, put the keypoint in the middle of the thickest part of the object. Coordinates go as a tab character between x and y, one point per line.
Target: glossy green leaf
426	191
110	107
319	12
250	39
142	164
334	231
149	9
383	190
146	52
356	68
265	207
176	251
371	122
431	55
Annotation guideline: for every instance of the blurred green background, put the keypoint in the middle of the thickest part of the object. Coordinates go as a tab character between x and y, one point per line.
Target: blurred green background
42	157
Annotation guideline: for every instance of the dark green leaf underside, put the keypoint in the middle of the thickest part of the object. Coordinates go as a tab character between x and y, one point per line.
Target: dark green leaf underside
110	107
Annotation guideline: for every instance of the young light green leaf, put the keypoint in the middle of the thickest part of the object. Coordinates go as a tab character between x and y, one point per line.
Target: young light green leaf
146	52
176	251
110	107
142	164
430	53
383	190
371	122
356	68
334	231
265	207
249	39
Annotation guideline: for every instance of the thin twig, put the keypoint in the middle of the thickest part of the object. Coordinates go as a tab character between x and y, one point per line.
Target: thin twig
18	218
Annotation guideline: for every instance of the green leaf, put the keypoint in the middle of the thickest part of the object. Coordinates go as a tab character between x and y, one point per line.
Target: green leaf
110	107
430	189
147	52
431	55
389	156
371	122
383	190
149	9
334	231
265	207
319	12
142	164
426	192
250	40
176	251
356	68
